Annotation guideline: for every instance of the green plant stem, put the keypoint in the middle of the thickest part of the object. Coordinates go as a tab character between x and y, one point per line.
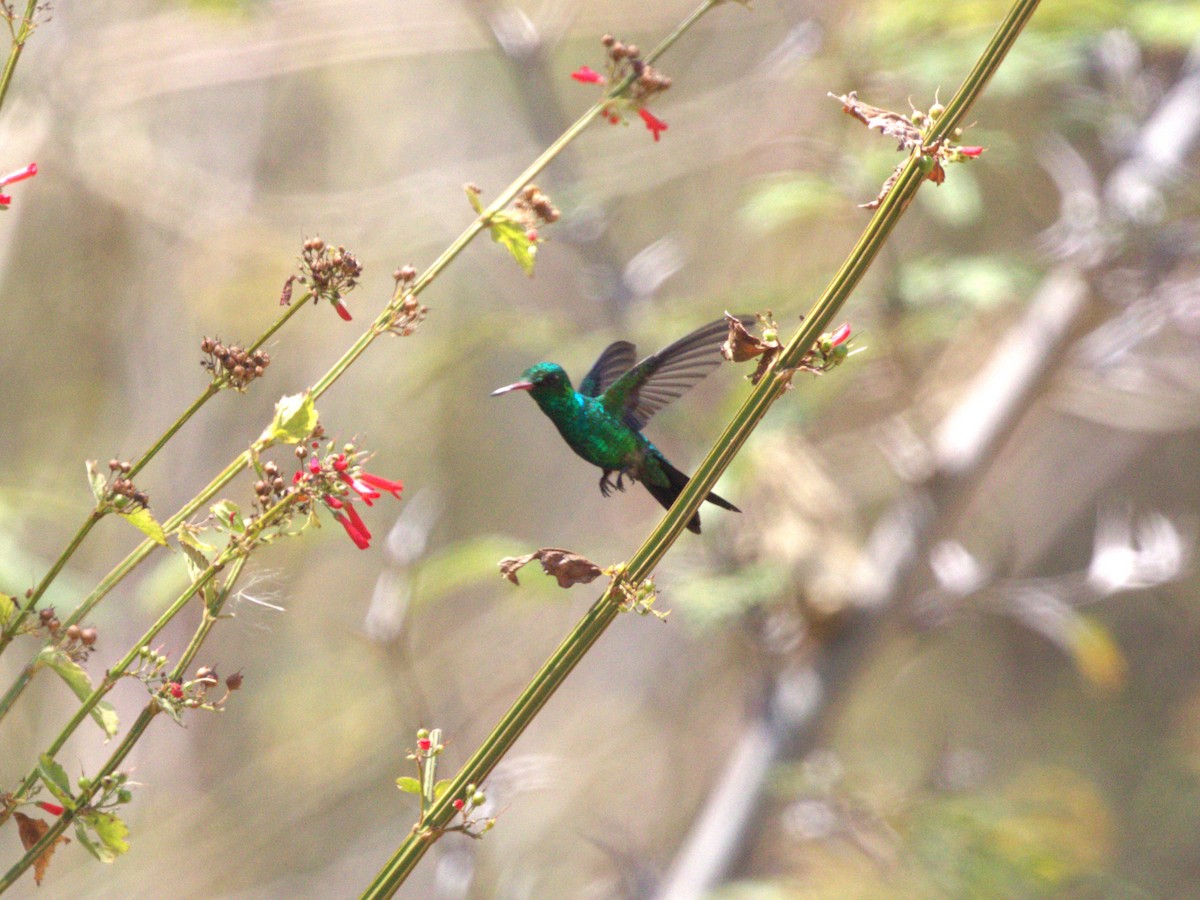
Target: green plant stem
136	730
20	36
96	514
605	610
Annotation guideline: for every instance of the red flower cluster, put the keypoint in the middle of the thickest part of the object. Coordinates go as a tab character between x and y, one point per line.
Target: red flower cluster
587	75
12	177
346	472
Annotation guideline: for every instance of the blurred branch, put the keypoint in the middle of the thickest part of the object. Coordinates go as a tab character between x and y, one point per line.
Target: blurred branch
964	441
20	34
634	575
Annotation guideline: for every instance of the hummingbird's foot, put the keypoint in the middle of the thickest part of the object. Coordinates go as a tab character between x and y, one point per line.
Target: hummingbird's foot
606	486
621	481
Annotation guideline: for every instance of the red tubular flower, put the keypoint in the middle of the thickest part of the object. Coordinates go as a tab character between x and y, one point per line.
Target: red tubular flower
424	744
655	124
361	541
12	177
585	75
175	689
19	175
840	335
342	310
364	490
970	152
392	487
459	803
53	808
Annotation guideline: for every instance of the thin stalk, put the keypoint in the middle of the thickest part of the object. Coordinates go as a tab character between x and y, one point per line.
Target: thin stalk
97	513
136	730
605	610
20	36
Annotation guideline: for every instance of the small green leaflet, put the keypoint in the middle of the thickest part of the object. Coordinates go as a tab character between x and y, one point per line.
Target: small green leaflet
195	552
508	231
143	521
98	482
111	832
440	788
54	776
79	682
408	784
295	418
228	516
8	606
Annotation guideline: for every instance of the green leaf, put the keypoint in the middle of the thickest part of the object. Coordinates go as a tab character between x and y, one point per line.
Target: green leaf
112	832
508	231
79	682
473	197
8	606
295	418
229	517
143	521
54	776
195	553
89	845
441	787
98	482
408	784
165	704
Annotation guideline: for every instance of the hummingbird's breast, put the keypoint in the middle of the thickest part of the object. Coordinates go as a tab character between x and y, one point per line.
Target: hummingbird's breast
600	438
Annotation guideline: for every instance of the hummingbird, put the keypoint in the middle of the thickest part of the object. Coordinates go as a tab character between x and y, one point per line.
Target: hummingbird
602	421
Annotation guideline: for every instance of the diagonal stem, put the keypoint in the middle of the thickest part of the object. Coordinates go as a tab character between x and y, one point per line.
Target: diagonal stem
605	610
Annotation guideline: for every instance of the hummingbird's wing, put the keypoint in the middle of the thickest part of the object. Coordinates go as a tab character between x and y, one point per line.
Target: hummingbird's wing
660	378
617	359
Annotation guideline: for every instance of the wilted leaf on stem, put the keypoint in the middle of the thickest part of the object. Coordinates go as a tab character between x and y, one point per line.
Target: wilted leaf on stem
30	830
890	124
569	568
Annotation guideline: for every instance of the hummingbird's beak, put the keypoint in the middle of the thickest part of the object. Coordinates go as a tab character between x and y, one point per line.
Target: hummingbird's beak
515	386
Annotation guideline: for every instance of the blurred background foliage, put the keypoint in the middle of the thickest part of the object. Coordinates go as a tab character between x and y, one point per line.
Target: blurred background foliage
949	647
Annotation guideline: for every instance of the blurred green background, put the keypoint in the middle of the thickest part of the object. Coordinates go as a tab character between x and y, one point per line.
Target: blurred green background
947	650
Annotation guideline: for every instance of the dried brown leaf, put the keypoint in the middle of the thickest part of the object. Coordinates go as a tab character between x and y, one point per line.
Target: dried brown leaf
567	567
30	830
890	124
885	190
741	345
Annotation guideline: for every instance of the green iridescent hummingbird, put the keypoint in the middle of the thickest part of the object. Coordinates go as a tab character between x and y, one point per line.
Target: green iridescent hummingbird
603	420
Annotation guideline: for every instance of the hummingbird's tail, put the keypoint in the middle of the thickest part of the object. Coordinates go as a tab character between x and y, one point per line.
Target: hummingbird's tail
676	482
